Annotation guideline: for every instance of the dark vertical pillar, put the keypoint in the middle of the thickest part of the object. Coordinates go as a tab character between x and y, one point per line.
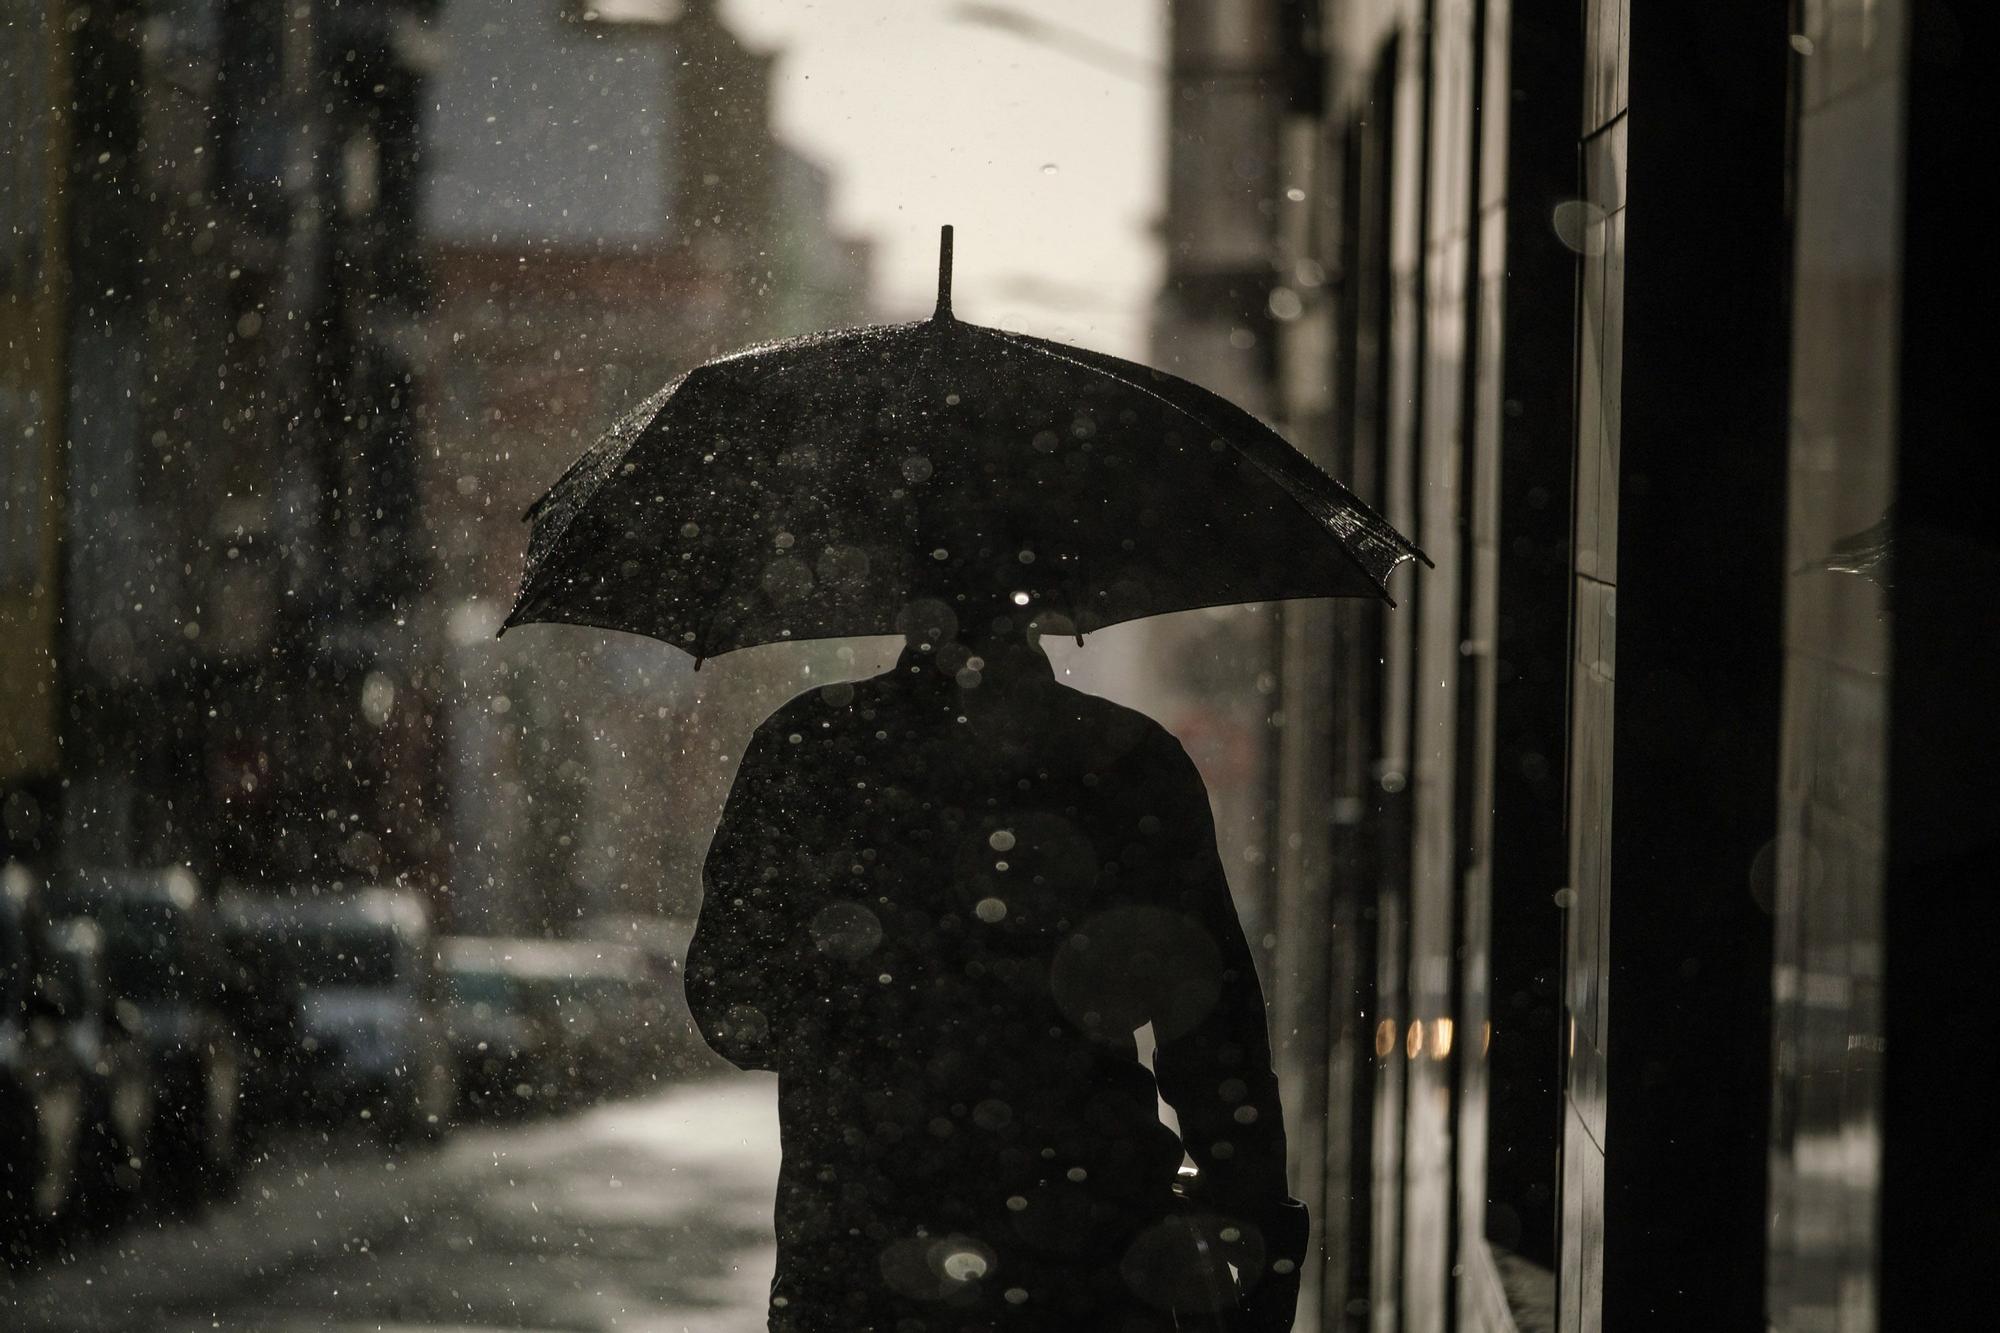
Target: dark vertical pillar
1698	465
1940	1200
1522	419
1357	796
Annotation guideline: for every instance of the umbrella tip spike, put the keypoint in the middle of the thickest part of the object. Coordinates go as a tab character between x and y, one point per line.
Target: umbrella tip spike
944	273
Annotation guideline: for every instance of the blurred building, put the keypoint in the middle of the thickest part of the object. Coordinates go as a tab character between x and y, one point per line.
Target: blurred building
1213	685
610	207
33	296
245	689
1634	868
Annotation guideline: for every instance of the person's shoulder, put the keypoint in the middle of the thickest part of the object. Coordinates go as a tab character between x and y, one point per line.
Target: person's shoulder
1124	733
821	702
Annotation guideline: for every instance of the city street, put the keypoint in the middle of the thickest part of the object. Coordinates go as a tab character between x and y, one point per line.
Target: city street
651	1214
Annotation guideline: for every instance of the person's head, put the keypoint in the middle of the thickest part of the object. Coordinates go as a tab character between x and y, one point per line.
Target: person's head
983	624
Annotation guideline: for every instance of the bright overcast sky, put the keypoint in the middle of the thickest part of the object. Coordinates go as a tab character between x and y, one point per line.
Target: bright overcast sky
1045	156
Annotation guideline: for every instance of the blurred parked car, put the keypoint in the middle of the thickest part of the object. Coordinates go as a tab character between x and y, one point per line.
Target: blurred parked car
118	1078
163	958
676	1046
550	1022
597	1001
44	1089
501	1043
261	999
342	990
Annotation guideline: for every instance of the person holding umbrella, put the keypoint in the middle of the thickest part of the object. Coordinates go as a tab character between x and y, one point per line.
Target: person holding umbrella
942	902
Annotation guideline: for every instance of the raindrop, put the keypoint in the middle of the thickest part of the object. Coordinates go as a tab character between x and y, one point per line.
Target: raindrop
916	468
1577	225
847	930
1295	194
378	698
1002	840
991	910
964	1266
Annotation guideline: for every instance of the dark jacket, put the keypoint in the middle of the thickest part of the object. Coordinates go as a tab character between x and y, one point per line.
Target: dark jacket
940	913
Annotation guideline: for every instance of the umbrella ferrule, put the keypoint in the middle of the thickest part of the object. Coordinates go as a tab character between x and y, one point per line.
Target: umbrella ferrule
944	274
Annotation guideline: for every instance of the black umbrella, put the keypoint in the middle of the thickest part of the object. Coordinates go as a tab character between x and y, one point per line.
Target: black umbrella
811	488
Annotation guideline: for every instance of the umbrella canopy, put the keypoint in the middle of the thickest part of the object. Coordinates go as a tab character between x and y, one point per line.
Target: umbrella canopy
813	488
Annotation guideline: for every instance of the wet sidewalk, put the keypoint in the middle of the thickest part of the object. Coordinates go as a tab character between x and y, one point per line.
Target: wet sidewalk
652	1214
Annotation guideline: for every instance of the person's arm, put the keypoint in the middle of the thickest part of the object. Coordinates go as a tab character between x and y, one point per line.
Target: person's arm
1213	1062
735	969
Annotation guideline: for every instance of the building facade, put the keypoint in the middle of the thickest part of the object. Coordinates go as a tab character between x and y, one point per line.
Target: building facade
610	209
1587	867
227	404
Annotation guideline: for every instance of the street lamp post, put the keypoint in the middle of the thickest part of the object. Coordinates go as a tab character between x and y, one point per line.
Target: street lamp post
1081	45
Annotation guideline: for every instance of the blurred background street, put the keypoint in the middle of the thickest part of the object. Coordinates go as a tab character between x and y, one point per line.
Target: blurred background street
340	941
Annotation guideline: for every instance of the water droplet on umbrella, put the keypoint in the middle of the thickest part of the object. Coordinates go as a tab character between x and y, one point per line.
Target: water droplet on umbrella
964	1266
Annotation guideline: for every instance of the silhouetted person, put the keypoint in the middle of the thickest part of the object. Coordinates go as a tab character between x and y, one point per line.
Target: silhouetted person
939	904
